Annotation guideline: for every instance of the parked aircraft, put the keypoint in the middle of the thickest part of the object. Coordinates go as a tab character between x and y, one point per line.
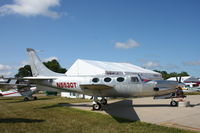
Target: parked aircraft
10	93
17	89
2	80
100	85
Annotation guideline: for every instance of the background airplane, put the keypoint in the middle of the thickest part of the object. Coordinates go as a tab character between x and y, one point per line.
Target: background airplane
125	85
15	88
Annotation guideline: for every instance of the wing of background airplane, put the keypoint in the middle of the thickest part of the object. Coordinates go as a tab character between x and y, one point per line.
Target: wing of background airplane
8	85
95	86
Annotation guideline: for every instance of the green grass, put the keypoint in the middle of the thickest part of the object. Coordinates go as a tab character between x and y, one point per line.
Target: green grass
50	115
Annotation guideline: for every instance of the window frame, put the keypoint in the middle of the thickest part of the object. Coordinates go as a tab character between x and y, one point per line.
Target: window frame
119	78
107	78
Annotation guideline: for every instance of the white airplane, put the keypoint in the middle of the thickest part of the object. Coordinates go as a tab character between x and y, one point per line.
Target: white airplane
10	93
100	86
2	80
26	93
17	89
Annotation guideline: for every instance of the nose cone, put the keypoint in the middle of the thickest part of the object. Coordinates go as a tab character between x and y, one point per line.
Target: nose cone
166	84
165	87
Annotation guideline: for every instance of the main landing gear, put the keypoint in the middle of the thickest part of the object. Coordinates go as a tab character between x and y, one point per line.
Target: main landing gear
178	95
97	105
174	103
28	98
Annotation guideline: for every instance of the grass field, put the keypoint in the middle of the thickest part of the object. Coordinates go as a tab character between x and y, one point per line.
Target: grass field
49	115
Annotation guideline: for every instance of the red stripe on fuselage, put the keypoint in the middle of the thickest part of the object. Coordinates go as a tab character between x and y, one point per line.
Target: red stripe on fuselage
9	93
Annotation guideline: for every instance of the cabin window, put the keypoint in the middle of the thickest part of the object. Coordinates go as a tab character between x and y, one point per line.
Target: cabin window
95	80
120	79
134	79
108	79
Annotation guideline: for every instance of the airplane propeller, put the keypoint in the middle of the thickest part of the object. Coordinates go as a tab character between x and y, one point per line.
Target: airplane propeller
180	86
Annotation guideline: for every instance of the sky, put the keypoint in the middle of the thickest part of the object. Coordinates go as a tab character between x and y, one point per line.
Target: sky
154	34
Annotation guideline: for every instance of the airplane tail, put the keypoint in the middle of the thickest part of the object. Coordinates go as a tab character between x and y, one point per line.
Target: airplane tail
1	93
37	67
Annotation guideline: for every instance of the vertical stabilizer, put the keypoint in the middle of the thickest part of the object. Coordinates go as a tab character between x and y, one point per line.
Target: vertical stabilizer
37	67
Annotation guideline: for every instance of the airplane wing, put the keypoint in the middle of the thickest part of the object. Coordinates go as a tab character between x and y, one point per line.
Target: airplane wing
96	86
39	78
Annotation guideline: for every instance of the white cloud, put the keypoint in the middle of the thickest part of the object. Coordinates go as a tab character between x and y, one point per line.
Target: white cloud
192	63
50	59
31	8
151	64
5	74
22	64
5	70
5	67
130	43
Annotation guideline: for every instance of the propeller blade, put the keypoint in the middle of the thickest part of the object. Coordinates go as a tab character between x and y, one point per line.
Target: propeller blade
180	79
176	79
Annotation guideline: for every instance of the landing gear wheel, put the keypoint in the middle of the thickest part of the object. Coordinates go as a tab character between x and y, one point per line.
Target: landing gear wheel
174	103
97	106
35	98
103	101
26	99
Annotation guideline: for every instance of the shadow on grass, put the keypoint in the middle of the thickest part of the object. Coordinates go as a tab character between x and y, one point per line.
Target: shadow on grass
6	98
64	105
121	111
19	120
53	106
21	101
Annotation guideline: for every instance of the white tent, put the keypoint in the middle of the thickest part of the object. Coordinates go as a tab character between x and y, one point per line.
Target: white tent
89	67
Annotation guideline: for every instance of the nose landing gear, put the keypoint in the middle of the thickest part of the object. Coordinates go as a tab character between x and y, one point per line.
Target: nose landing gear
174	103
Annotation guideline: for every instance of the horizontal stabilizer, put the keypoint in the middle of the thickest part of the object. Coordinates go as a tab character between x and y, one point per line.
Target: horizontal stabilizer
95	86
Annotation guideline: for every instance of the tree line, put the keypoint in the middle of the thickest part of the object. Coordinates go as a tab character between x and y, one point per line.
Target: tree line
53	65
167	75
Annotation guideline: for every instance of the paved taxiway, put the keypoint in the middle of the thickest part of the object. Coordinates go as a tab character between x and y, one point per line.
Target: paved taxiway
152	111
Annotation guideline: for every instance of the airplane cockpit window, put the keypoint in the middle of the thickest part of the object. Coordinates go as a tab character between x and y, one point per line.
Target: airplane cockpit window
120	79
134	79
107	79
95	80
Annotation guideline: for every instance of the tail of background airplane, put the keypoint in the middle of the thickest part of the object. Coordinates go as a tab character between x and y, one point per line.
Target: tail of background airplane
1	93
37	67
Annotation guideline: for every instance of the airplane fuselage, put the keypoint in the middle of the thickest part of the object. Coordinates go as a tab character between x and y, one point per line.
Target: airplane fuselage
120	86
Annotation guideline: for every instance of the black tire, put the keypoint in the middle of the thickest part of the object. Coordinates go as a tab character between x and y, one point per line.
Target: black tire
103	101
174	103
26	99
97	106
35	98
